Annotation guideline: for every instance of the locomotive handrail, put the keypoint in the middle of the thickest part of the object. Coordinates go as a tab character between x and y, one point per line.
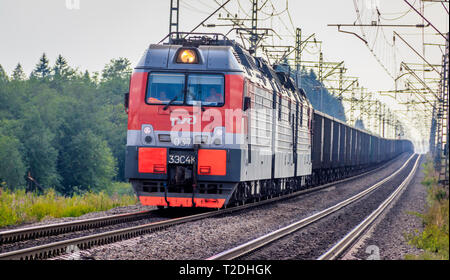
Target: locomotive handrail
225	38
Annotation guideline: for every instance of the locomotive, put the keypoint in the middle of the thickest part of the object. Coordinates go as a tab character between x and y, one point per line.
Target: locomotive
210	125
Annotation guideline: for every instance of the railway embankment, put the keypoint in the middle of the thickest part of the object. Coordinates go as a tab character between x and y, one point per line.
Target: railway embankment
416	226
433	239
19	208
204	238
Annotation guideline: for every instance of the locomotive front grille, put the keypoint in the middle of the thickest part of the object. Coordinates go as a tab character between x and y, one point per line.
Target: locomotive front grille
202	188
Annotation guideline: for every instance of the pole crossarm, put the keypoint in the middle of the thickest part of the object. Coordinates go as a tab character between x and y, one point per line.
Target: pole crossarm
424	18
419	79
416	52
331	72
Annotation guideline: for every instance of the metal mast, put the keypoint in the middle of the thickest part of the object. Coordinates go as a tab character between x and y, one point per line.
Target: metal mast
254	31
443	121
174	19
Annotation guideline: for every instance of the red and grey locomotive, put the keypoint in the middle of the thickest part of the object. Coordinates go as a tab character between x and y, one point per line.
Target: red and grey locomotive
210	125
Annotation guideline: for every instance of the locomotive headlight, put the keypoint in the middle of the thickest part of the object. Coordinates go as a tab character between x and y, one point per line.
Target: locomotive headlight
187	56
218	135
147	130
147	134
218	132
148	139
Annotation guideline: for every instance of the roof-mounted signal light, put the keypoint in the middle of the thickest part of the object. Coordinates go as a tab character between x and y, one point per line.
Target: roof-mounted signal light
187	56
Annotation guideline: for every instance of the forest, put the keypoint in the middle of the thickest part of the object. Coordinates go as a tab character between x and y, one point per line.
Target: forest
321	99
64	128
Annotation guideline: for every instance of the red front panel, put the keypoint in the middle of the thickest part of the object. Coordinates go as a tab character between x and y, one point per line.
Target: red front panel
138	85
142	113
212	162
182	201
152	160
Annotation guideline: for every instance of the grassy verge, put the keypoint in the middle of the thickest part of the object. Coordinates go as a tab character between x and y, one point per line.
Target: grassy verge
17	207
434	239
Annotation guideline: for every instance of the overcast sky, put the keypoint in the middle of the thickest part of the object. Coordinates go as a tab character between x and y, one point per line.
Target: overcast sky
104	29
90	35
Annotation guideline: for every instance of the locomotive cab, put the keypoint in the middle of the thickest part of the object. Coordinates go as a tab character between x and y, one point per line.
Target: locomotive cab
176	151
210	125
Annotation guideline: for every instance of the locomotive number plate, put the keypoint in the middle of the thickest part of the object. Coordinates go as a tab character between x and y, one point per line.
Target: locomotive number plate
179	157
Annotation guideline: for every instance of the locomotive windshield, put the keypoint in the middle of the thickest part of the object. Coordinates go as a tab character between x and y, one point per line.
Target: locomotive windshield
205	88
165	88
162	88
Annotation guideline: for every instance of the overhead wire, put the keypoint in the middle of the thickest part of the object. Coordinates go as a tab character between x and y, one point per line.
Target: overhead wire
207	5
403	14
189	6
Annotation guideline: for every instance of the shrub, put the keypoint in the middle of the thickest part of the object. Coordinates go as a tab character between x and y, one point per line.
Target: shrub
434	239
19	207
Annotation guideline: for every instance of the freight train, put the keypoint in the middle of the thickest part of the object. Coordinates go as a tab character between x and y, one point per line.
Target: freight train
210	125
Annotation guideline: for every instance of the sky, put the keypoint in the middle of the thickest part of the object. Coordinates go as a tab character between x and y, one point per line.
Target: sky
93	32
100	30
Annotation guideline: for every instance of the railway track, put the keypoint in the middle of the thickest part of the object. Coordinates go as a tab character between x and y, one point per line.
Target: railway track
66	246
343	244
22	234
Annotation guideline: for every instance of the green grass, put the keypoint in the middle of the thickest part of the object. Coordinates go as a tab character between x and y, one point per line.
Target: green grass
434	239
18	207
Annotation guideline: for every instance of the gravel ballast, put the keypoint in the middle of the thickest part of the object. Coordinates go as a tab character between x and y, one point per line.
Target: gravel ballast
386	239
110	212
316	239
204	238
151	216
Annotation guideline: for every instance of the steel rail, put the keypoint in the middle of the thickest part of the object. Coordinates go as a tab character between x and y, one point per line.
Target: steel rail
277	234
348	239
61	247
15	235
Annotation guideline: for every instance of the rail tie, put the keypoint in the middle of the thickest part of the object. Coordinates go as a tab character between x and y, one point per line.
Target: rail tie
278	234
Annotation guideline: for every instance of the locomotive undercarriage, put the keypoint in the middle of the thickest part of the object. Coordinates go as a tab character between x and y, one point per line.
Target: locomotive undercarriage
235	193
327	175
180	184
263	189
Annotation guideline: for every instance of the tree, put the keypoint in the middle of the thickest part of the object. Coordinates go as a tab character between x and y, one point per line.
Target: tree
114	130
360	124
61	70
18	74
117	69
68	128
12	167
41	154
86	77
4	95
3	75
312	75
87	163
115	79
320	98
42	69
